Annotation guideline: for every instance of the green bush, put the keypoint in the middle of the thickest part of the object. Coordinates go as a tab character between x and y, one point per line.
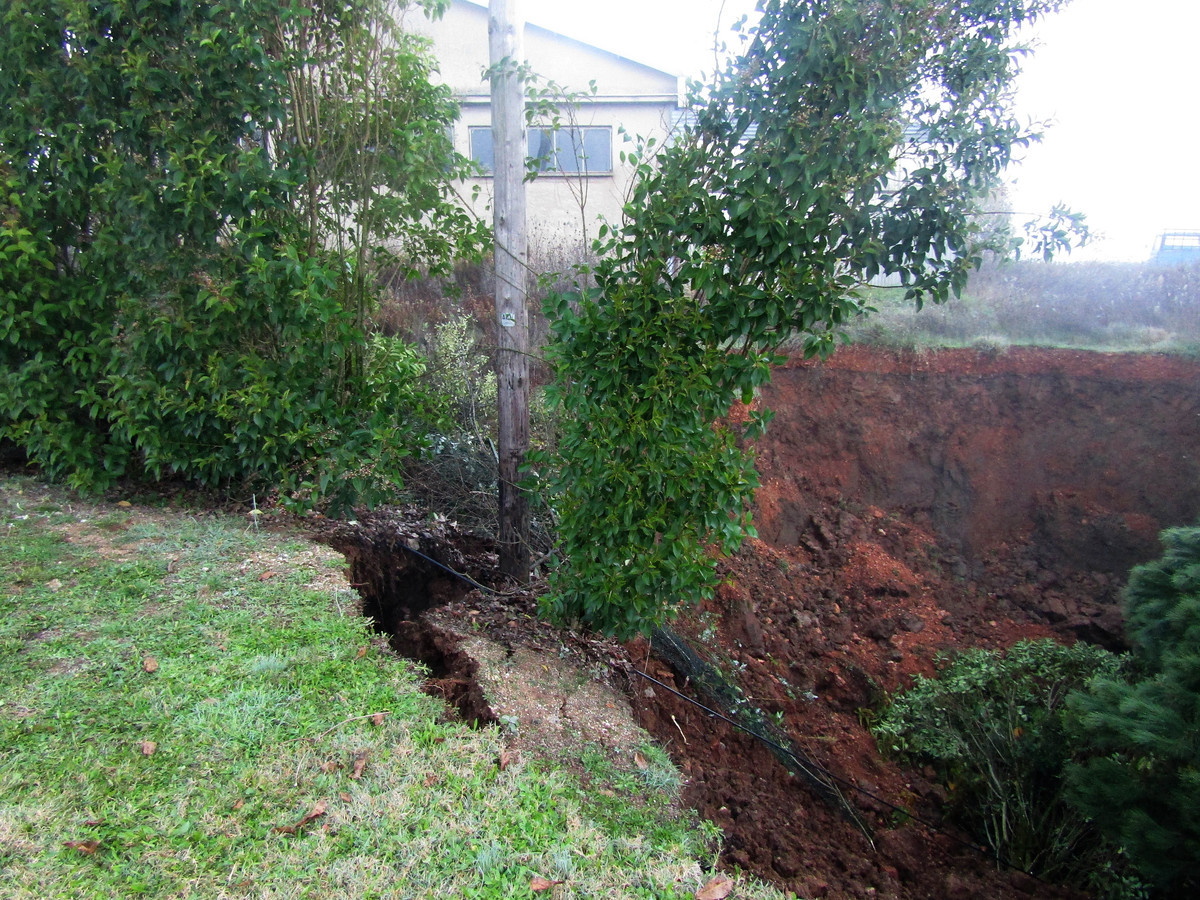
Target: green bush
1142	786
992	726
168	302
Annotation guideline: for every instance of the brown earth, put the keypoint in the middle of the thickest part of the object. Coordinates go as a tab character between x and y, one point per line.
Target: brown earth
911	504
914	504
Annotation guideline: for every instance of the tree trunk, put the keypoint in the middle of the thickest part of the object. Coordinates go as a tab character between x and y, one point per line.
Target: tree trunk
505	31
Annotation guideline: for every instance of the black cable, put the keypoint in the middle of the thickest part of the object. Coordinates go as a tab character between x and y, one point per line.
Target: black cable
466	578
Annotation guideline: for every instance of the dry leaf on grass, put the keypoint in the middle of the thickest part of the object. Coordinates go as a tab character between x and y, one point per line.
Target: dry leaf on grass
315	813
150	664
148	748
538	883
360	763
717	889
88	847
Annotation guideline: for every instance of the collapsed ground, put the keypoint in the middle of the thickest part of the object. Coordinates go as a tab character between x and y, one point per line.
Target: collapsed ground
911	505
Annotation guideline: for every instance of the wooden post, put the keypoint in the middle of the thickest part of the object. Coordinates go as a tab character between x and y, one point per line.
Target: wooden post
506	50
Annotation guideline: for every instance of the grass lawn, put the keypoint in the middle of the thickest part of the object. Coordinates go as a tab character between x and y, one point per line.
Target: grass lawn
192	707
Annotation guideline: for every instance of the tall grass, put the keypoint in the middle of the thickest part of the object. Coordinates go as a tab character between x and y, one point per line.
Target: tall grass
1094	306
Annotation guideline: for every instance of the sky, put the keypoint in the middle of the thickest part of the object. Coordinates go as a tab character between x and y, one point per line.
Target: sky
1117	81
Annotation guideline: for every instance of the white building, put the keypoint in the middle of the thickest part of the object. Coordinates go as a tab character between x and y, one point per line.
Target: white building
582	174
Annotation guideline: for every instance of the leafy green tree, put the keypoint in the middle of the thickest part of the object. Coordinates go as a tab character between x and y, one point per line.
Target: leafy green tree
1142	786
166	302
850	139
364	113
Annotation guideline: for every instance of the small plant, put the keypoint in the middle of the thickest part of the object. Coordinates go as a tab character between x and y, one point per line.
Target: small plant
488	858
991	725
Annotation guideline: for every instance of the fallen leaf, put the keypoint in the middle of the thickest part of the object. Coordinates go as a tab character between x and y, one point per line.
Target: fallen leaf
717	889
362	651
265	575
150	664
315	813
378	718
538	883
640	761
88	847
330	765
360	763
148	748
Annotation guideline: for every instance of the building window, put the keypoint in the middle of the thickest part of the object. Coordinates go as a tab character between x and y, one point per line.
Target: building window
482	151
566	151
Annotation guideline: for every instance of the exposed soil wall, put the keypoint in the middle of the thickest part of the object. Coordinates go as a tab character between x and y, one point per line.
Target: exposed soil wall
1039	471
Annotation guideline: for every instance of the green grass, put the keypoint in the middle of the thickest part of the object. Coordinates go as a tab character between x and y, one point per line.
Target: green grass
120	627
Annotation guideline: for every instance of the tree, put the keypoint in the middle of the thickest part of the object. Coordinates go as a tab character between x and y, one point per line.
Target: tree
170	302
1142	784
851	138
372	130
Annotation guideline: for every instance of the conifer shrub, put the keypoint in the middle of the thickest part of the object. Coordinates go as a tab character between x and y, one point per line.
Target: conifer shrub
992	726
1141	785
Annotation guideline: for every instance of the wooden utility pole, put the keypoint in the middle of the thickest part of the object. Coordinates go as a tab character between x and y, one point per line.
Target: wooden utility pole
505	41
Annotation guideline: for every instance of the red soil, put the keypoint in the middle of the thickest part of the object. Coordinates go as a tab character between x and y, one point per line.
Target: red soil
911	505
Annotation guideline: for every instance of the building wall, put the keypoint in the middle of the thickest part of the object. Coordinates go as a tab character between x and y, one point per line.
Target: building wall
564	209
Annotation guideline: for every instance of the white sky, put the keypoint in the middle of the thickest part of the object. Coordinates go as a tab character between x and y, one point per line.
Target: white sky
1120	81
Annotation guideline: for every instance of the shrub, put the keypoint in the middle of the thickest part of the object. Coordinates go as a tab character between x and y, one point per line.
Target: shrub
992	726
1142	786
169	300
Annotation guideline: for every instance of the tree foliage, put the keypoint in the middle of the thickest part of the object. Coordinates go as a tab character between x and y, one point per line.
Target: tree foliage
166	303
1142	785
851	138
